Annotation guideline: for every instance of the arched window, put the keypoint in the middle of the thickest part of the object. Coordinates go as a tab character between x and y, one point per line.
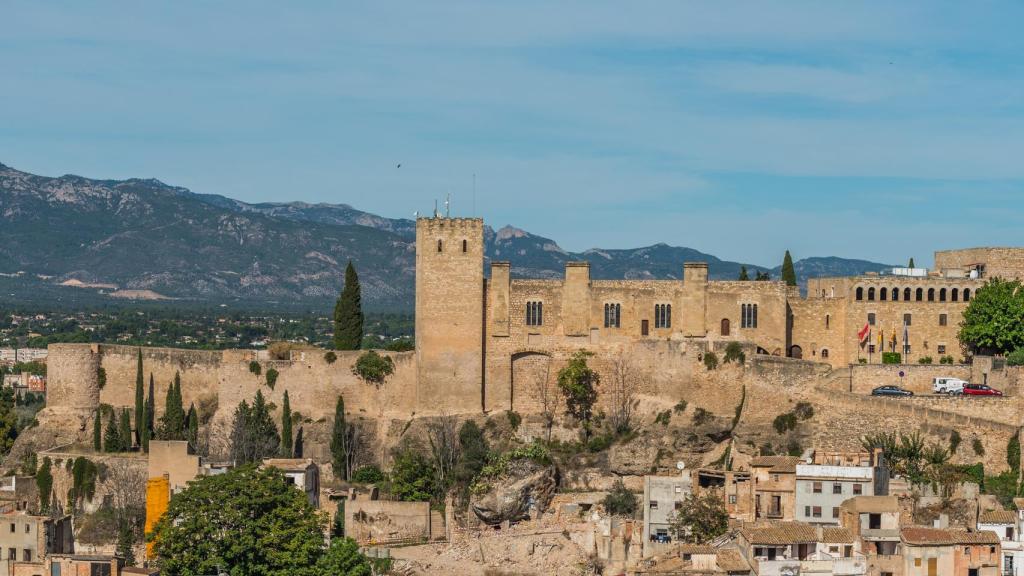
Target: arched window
955	294
725	327
611	315
883	294
920	294
931	294
534	313
860	293
967	294
895	294
439	245
942	295
906	294
828	318
662	315
463	245
871	294
824	352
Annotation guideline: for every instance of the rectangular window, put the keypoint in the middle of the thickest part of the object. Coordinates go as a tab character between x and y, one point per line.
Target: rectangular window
942	348
817	487
906	319
26	555
644	328
662	315
871	318
534	313
807	510
858	489
835	512
942	319
816	511
611	315
732	498
837	488
871	348
654	504
748	315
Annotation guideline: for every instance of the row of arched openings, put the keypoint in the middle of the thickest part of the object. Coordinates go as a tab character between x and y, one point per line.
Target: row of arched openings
908	295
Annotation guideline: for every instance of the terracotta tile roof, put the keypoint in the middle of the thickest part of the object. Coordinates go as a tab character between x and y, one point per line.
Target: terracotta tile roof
696	549
782	533
872	504
998	517
776	463
731	561
923	536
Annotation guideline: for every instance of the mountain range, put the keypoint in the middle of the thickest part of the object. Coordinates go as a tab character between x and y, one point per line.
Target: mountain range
143	239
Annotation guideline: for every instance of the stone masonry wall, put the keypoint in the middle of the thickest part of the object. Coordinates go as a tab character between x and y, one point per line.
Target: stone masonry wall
917	377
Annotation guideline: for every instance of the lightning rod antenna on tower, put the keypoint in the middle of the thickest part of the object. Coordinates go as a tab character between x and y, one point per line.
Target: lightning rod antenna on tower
448	206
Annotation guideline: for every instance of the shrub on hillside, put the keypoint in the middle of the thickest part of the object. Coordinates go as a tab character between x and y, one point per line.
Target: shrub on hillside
711	361
734	352
620	501
272	375
1015	358
330	357
924	360
255	368
946	360
368	475
784	422
680	407
804	410
979	448
663	418
372	367
701	417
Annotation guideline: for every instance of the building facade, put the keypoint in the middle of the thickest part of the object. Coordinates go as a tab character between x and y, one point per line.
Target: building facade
495	342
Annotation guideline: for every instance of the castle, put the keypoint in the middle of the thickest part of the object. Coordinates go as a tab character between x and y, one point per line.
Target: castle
492	338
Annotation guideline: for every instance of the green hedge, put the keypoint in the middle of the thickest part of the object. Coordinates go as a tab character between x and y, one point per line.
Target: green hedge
891	358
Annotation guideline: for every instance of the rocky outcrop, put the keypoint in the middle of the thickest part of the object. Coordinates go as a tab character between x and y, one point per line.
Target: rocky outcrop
525	488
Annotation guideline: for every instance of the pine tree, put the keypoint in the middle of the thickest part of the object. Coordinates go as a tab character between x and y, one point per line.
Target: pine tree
126	430
339	441
788	272
97	430
743	274
286	427
348	313
112	437
140	401
911	265
193	426
254	435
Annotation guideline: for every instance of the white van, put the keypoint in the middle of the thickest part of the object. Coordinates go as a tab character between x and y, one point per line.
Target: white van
948	385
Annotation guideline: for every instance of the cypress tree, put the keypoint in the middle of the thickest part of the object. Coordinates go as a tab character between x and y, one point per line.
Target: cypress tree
286	427
339	441
193	426
150	415
743	274
788	272
97	430
112	437
140	401
126	543
297	448
173	421
126	430
911	265
348	313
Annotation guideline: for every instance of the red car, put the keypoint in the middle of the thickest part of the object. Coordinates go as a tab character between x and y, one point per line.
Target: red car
980	390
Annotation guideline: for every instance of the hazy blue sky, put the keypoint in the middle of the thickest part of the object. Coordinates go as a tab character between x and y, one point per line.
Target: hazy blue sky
874	130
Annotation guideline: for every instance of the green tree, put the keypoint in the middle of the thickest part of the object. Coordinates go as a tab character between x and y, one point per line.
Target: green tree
193	426
343	559
993	322
140	400
126	543
112	437
911	264
339	441
743	274
126	430
286	427
348	313
788	272
248	521
578	383
8	421
762	276
700	519
150	420
97	430
254	435
620	501
172	423
44	484
474	453
412	478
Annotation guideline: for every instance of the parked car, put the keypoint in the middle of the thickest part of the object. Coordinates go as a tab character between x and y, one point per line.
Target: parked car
980	390
891	391
944	385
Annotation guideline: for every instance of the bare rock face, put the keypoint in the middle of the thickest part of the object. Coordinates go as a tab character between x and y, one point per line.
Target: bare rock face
525	487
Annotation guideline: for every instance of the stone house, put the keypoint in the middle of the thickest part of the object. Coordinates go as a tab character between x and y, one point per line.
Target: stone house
26	541
303	472
875	522
663	496
822	489
734	488
1007	524
945	552
774	487
780	548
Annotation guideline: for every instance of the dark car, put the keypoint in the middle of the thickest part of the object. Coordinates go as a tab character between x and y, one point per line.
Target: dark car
980	390
891	391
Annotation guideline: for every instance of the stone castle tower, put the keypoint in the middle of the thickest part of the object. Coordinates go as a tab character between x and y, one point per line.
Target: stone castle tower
450	313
